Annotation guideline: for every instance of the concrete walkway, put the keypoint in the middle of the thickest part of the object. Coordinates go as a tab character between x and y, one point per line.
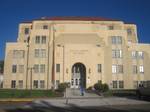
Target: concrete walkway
80	102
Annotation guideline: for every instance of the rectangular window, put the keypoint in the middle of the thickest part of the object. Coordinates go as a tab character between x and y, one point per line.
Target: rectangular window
116	53
20	83
21	68
129	31
36	68
141	69
18	53
35	83
42	84
42	68
45	27
119	68
111	27
121	84
13	84
37	39
135	69
43	53
26	31
114	84
43	40
14	68
36	53
99	68
114	68
116	39
57	67
141	54
134	54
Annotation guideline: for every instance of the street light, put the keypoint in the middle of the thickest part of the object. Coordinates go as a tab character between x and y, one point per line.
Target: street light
30	68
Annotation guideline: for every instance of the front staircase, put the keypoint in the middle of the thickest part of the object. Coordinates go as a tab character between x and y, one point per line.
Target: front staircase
75	93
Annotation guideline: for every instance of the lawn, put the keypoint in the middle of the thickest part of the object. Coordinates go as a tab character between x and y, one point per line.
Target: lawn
14	93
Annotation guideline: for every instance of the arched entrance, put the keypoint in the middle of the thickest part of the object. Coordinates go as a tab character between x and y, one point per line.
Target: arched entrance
78	76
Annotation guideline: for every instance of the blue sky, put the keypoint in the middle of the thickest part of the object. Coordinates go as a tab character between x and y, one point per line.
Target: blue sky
12	12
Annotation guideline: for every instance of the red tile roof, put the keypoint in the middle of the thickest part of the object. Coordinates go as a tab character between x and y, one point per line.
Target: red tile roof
73	18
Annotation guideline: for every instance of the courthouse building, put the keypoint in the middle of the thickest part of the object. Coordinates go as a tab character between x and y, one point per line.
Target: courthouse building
77	50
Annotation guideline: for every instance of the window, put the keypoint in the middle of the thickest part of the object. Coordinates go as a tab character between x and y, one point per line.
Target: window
141	69
114	68
14	68
116	39
20	83
121	84
57	67
141	54
116	53
135	69
13	84
134	54
114	84
99	68
26	31
120	68
117	69
18	53
111	27
35	83
43	40
42	84
37	39
36	68
36	52
45	27
43	53
21	68
42	68
129	31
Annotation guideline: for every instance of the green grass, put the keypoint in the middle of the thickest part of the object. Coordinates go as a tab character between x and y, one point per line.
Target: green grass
13	93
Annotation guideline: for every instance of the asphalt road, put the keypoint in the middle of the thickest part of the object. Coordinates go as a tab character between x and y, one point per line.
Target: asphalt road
72	108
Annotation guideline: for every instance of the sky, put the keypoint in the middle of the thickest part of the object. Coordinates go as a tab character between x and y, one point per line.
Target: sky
13	12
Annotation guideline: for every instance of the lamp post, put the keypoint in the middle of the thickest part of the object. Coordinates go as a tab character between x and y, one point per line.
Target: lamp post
30	68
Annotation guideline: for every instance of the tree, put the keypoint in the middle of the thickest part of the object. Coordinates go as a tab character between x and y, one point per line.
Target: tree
1	66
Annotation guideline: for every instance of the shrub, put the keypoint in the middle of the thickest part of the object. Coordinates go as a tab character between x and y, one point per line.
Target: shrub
62	87
101	87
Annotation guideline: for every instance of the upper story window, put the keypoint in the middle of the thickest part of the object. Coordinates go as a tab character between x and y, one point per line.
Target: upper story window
129	31
40	40
43	40
116	39
40	53
116	53
14	68
117	69
121	84
42	68
26	31
57	67
45	27
37	39
13	84
18	53
21	68
114	84
111	27
141	69
136	54
135	71
36	68
99	68
141	54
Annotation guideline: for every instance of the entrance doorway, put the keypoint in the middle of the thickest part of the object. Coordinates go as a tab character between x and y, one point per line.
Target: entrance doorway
78	76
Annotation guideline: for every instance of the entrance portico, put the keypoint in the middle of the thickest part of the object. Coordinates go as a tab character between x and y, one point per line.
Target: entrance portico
78	78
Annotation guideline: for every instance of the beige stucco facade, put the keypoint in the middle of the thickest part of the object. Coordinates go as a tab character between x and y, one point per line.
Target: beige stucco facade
53	51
